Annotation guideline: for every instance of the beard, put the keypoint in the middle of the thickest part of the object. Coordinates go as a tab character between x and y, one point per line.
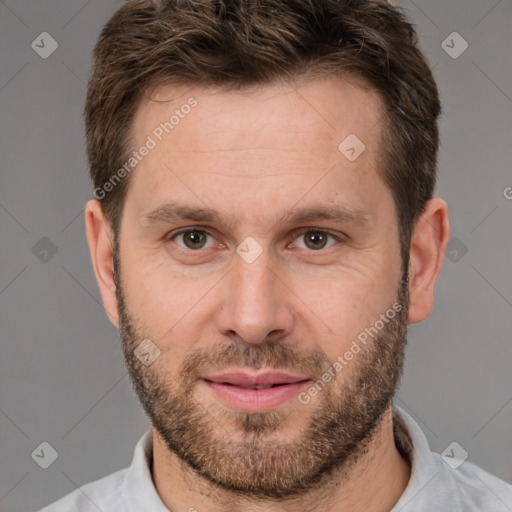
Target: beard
343	421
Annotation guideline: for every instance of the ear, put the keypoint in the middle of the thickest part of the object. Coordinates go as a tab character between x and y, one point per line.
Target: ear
428	245
100	241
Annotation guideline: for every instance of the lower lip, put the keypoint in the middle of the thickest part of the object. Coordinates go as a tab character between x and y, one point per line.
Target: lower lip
256	400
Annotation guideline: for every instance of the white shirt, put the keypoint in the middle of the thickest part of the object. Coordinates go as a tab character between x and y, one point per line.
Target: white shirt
434	485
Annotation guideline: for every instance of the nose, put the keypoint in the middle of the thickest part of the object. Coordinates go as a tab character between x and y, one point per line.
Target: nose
256	303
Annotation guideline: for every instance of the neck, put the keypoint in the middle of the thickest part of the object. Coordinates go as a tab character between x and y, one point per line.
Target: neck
374	482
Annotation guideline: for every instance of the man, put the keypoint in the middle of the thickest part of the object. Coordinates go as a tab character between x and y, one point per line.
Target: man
263	231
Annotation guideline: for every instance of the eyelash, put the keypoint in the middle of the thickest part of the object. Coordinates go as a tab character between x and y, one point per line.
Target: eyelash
299	233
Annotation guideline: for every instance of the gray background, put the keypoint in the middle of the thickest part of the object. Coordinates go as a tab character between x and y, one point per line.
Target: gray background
62	379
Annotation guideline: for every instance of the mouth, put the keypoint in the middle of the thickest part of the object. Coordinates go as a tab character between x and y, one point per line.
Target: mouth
261	386
255	392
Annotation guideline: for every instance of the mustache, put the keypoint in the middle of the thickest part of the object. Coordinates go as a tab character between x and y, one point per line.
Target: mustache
273	355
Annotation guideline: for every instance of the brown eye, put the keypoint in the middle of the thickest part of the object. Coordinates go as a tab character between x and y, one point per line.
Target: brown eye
193	239
315	240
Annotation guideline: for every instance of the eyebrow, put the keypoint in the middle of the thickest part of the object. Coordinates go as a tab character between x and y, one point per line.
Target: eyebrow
172	212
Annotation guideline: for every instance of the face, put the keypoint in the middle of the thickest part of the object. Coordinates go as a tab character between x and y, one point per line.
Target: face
253	253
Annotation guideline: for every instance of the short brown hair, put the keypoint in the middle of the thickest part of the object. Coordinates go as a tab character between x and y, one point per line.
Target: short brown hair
238	43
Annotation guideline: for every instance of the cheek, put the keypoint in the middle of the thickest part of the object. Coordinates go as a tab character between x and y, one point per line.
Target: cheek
340	307
164	303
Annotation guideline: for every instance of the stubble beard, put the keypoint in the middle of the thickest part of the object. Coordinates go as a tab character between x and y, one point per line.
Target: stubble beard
342	423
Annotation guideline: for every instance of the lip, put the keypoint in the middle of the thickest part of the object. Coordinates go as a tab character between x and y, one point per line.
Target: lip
235	389
247	379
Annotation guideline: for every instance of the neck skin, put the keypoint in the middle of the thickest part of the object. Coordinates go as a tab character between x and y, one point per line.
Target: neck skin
375	483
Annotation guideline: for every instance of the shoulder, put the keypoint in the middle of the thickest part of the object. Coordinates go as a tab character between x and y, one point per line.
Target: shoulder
127	490
448	483
472	488
104	494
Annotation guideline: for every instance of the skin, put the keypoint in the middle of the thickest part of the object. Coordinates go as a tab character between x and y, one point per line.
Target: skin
254	156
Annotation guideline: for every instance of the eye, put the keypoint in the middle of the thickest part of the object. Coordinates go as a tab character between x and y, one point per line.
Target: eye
193	239
316	240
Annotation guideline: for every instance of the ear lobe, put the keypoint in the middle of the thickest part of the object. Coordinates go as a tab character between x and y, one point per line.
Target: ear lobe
428	245
99	237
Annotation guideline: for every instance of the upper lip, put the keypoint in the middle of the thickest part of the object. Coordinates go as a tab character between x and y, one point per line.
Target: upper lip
245	379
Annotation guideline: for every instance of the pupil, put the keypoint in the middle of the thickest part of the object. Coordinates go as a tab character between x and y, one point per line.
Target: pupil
195	238
314	238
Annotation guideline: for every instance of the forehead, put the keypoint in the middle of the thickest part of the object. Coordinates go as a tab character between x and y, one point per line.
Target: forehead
330	107
275	140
